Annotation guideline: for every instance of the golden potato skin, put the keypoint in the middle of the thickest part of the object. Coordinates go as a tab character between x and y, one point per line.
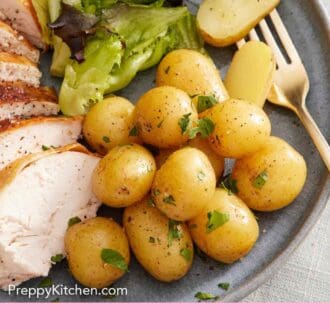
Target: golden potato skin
232	240
158	114
108	124
148	234
223	22
286	175
241	128
217	162
184	184
124	175
192	72
84	243
251	73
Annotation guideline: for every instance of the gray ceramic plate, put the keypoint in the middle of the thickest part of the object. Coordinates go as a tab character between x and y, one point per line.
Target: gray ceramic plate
282	231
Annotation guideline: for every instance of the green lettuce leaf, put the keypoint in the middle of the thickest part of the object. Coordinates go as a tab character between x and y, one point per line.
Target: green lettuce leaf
86	83
145	34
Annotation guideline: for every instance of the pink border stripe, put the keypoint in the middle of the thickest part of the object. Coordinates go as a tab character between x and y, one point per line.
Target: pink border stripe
165	316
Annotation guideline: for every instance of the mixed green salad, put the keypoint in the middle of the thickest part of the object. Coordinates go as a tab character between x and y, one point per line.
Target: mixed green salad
100	45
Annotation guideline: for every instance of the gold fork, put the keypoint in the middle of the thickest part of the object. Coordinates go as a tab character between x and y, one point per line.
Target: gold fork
291	84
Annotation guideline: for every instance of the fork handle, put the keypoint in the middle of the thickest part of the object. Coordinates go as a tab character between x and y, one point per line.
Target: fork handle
315	133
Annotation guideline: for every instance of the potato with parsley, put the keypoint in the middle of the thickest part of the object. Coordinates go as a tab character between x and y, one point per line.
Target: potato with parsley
226	230
162	246
192	72
109	123
272	177
97	252
184	184
124	176
241	128
164	115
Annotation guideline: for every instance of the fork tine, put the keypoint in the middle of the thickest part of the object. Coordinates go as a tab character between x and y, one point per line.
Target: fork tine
240	43
272	43
284	35
253	35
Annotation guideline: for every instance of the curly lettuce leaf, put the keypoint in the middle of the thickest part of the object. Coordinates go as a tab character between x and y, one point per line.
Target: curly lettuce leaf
85	83
145	34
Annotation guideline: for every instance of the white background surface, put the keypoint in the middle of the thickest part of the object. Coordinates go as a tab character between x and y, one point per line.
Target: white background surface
306	276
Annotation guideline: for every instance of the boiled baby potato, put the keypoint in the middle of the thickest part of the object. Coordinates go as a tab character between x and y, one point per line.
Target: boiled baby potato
192	72
217	162
251	73
226	230
272	177
223	22
240	128
109	123
97	252
124	175
164	115
162	246
184	184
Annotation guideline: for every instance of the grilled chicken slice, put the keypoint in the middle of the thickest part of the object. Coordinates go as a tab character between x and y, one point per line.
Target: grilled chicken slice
38	195
22	137
18	68
12	42
21	100
22	16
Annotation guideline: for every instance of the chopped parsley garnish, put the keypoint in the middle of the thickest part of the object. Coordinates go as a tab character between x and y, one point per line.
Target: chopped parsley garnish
57	258
186	253
46	283
201	175
205	102
260	180
156	192
215	220
173	231
205	127
44	148
106	139
151	202
169	200
73	221
114	259
206	296
134	131
224	286
184	122
152	239
229	184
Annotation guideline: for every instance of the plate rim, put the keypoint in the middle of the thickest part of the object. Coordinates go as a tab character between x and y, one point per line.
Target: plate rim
310	220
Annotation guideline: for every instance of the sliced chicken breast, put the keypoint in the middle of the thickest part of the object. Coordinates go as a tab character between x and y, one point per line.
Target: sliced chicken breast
22	16
21	100
42	193
18	68
23	137
12	42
